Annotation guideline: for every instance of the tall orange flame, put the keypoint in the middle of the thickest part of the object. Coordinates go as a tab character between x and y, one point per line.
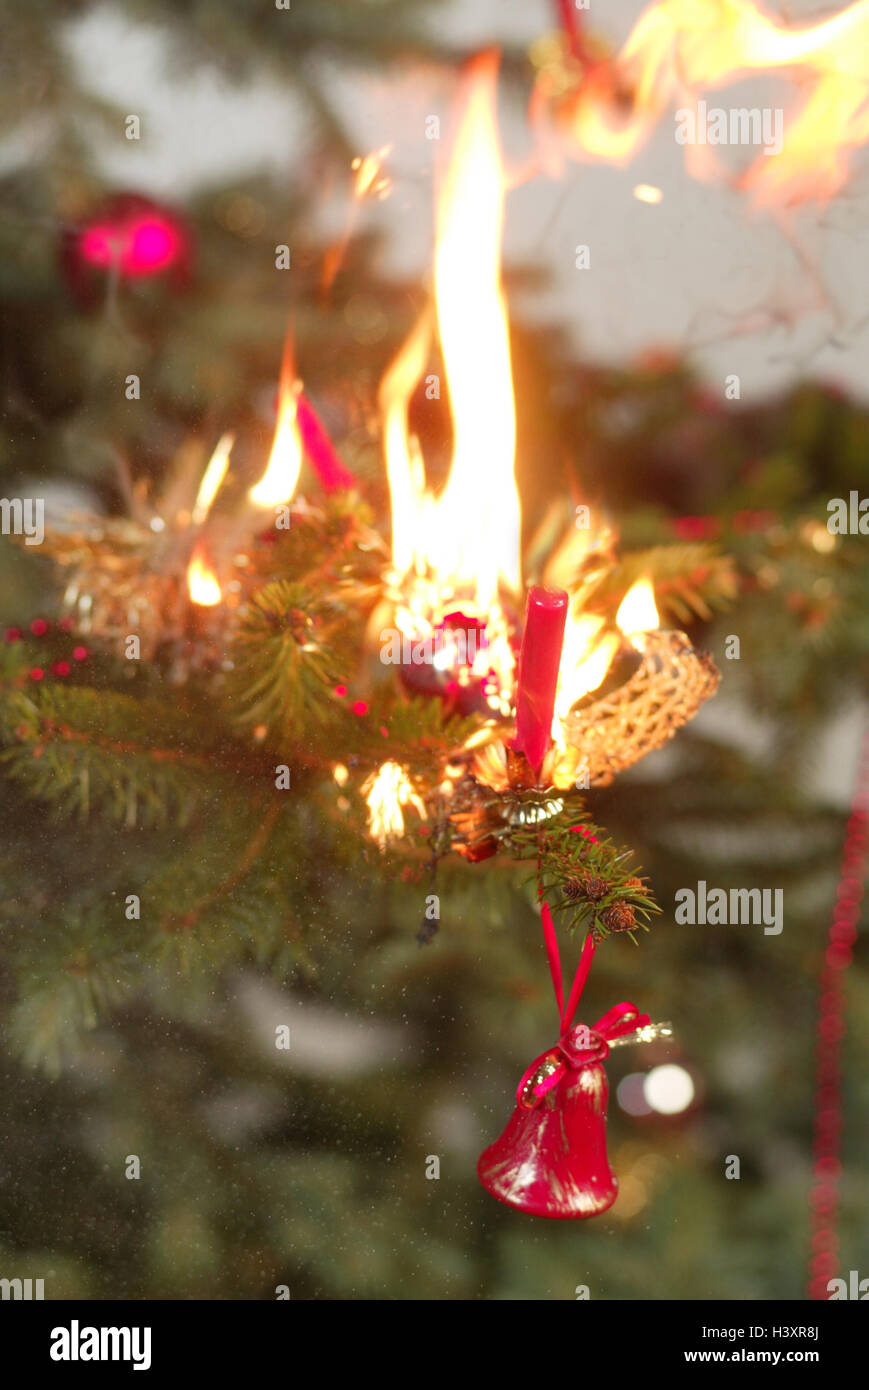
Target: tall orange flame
278	482
461	546
472	320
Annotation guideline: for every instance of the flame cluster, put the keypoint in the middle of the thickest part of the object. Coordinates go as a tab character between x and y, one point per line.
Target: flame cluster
679	49
460	549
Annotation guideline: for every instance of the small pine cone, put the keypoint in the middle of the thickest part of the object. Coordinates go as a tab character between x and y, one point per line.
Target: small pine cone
619	917
585	886
595	889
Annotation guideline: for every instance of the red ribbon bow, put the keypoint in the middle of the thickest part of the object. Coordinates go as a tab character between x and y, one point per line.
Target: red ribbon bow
578	1046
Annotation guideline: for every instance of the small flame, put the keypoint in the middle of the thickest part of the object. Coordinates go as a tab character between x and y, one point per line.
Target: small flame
637	611
388	791
202	582
278	483
648	193
213	477
369	177
457	549
369	181
680	48
585	659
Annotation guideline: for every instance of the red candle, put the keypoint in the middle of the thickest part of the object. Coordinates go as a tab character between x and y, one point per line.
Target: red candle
539	660
330	470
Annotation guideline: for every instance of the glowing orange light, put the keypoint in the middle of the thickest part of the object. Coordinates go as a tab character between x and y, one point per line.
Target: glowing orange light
278	482
638	612
585	659
369	177
387	792
213	477
459	548
202	582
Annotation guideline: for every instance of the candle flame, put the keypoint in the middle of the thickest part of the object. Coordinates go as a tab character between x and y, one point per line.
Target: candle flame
638	612
278	482
387	792
455	550
202	583
213	477
681	48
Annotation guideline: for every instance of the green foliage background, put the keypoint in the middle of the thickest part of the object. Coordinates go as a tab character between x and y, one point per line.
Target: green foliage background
155	1037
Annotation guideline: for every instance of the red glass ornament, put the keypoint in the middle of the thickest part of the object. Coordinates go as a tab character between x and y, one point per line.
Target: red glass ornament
131	235
460	637
551	1159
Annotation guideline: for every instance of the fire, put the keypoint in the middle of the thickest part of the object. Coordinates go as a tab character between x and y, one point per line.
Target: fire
369	179
202	582
387	792
278	483
213	477
460	549
680	48
638	612
590	648
585	659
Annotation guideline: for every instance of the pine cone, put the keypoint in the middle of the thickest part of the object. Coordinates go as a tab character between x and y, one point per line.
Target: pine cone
586	886
595	889
619	917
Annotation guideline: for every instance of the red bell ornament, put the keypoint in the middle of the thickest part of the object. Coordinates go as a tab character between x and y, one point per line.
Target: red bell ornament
551	1159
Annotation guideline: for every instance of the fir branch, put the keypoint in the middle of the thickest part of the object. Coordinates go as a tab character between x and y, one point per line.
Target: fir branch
416	731
690	581
68	982
224	898
284	663
585	877
188	918
98	751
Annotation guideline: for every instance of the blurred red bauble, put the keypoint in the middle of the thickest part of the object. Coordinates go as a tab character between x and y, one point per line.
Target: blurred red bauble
130	236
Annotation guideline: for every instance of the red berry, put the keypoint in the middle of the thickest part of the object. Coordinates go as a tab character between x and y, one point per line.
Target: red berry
39	627
80	653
